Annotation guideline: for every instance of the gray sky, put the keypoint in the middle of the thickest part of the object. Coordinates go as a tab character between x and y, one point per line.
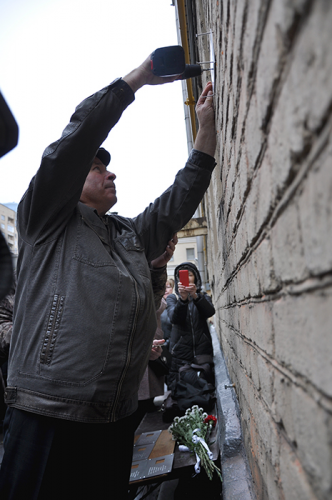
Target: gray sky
54	53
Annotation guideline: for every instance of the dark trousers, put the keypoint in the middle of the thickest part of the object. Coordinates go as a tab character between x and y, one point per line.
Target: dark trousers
47	458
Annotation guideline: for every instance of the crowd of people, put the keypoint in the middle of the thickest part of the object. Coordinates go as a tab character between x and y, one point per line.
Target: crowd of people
89	307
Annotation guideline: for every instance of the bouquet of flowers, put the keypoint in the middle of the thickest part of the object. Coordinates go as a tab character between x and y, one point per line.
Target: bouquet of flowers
191	432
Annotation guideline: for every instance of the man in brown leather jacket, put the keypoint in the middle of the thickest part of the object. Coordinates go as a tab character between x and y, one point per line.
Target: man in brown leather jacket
85	316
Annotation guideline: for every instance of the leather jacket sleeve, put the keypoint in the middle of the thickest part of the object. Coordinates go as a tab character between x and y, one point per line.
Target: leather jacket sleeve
56	188
175	207
158	282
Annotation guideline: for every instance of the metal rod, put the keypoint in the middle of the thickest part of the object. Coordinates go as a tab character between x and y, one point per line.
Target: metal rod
205	62
201	34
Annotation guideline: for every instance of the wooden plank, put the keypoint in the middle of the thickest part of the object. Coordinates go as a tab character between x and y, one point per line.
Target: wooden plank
164	445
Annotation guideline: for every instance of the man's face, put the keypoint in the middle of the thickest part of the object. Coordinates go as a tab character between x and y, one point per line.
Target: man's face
99	188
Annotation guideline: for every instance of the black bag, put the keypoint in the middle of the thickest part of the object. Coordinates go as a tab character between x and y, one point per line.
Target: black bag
200	393
186	393
159	367
170	409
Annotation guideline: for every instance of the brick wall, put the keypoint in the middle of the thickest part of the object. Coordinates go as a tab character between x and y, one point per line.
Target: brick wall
269	210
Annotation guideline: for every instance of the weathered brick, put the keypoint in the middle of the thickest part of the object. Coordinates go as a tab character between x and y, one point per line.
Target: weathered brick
253	362
253	134
281	17
266	380
241	239
316	222
250	215
293	480
302	327
260	325
267	446
301	111
253	279
244	278
243	174
239	147
253	16
265	198
311	440
287	246
269	282
229	184
272	257
237	201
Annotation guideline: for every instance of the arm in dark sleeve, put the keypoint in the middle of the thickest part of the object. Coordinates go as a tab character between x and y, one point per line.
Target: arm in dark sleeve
204	305
176	310
158	282
57	186
174	208
6	326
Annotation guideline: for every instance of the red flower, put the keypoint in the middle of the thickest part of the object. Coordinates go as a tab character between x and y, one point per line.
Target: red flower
210	418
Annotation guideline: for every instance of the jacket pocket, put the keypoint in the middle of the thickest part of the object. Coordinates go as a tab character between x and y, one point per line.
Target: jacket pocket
131	252
131	243
52	330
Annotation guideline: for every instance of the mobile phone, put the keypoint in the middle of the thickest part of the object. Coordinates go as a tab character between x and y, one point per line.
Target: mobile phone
184	277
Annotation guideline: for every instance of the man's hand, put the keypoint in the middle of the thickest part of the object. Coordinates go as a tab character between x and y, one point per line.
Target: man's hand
143	76
206	136
156	349
167	255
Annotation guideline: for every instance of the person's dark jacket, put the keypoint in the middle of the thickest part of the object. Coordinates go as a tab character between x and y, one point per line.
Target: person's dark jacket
6	323
166	326
190	336
84	315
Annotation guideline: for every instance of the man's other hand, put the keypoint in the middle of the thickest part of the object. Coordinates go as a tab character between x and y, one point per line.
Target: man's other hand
206	136
156	349
143	75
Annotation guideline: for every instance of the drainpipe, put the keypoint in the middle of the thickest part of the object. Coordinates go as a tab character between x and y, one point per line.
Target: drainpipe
184	42
190	121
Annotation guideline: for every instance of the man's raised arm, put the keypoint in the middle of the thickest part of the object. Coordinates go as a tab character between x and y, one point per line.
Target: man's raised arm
175	207
55	190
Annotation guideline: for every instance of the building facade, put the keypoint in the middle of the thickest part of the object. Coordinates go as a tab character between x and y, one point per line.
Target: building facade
8	228
270	228
185	251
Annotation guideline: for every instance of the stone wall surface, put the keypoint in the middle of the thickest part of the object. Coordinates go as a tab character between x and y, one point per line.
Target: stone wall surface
269	210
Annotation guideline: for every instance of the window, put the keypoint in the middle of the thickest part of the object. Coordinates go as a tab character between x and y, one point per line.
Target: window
2	226
11	229
2	217
11	220
190	253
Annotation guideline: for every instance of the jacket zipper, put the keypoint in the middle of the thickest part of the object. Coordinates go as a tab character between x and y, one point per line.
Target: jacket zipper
59	302
124	373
